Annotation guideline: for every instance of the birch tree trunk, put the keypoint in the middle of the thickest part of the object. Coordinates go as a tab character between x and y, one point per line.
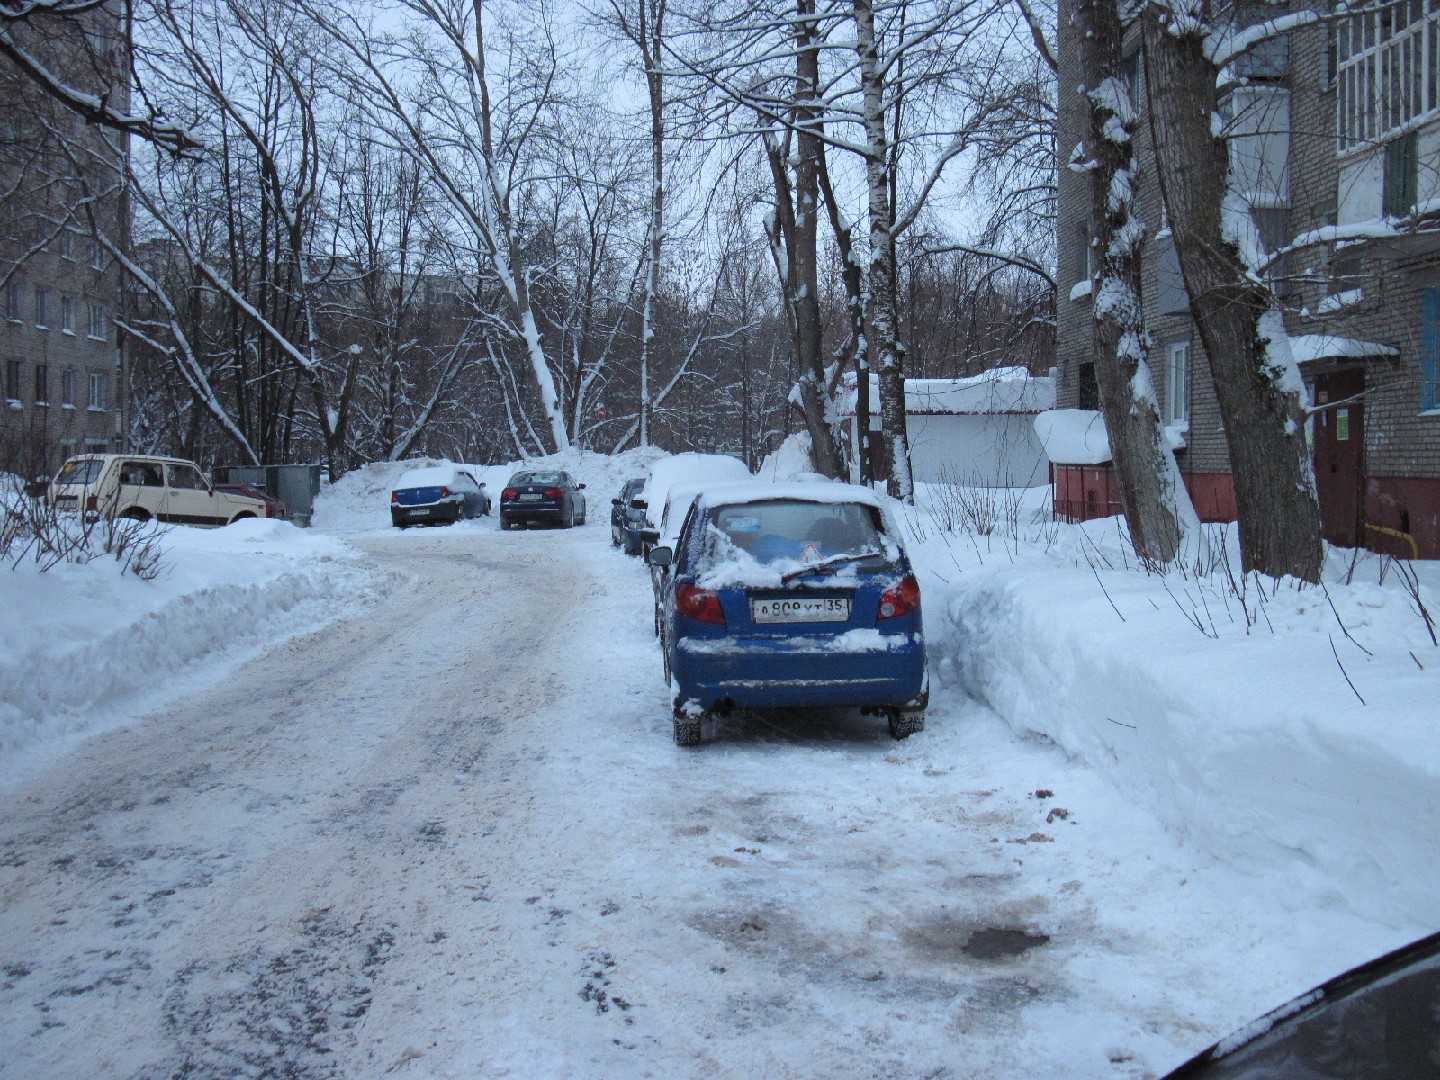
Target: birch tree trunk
1260	392
880	279
1152	492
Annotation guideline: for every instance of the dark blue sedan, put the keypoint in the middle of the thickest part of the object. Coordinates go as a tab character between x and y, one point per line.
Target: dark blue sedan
626	519
790	595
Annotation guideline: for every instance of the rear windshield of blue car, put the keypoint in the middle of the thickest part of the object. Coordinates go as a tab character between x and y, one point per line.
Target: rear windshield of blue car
770	533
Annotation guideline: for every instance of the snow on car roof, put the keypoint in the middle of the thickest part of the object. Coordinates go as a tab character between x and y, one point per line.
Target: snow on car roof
431	476
731	494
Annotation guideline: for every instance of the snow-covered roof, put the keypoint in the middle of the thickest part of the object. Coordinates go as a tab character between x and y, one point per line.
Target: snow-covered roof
1000	390
687	468
1073	436
1306	348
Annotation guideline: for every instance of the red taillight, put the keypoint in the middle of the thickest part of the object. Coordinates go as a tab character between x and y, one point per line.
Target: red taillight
554	493
509	494
444	492
394	496
699	604
901	598
93	504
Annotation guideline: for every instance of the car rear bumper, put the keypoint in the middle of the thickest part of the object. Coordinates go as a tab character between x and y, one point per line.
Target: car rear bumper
421	515
861	668
518	511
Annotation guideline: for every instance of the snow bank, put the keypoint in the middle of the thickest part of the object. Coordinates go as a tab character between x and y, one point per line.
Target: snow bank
1235	724
84	646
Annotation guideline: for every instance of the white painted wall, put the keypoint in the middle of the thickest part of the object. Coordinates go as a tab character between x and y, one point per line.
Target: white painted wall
999	450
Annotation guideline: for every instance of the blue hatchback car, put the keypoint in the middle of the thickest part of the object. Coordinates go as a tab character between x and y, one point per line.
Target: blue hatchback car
790	595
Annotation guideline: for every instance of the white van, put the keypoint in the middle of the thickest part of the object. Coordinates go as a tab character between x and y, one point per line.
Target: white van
142	487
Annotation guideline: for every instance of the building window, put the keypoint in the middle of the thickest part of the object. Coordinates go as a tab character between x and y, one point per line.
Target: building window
97	253
67	388
1386	66
1177	383
12	382
97	392
99	325
42	384
42	308
1087	390
67	244
1402	175
67	315
1429	349
12	300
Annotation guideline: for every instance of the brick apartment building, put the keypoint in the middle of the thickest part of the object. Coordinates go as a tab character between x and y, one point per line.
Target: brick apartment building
1338	125
60	358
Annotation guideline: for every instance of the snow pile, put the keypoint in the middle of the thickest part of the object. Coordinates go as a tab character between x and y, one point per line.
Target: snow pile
790	461
1286	731
84	645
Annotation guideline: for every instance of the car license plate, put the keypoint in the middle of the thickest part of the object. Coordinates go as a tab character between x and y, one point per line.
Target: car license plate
530	496
799	609
419	513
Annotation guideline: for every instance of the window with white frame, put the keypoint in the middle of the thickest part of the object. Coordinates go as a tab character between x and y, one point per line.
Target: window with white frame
1387	58
97	392
99	325
67	315
12	382
67	388
97	253
12	300
67	244
42	308
1177	383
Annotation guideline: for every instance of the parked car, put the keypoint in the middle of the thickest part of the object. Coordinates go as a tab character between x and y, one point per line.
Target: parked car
678	500
542	496
791	595
437	494
274	508
1376	1020
144	487
627	520
681	469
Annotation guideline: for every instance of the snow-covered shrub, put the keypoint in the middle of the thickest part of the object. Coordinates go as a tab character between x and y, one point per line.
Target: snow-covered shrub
33	531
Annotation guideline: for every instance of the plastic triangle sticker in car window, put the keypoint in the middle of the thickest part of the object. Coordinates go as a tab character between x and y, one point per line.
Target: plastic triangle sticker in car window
810	554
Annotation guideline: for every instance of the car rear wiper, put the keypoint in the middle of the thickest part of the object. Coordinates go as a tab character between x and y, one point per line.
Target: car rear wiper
826	565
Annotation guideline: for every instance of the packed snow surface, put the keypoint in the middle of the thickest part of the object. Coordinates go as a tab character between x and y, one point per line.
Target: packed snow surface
357	802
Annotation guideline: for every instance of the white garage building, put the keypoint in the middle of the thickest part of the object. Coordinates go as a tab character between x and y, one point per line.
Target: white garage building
977	431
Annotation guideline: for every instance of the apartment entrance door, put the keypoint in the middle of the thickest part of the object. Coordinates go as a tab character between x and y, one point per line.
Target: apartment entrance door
1340	456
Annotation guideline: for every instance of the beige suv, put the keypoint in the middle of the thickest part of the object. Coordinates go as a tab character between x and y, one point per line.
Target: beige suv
143	488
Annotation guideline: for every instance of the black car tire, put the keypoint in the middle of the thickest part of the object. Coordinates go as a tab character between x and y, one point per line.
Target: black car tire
632	547
904	724
504	523
687	728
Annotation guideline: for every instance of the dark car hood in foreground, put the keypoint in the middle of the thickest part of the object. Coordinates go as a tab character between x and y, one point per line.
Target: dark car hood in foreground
1379	1021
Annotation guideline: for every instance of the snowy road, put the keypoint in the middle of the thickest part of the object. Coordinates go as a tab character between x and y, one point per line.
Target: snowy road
450	836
